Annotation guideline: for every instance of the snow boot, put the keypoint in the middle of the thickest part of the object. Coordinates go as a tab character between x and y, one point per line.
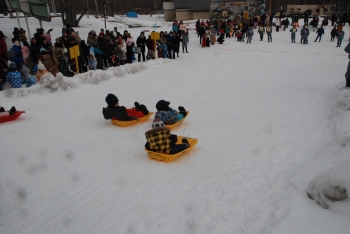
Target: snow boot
182	110
12	111
185	141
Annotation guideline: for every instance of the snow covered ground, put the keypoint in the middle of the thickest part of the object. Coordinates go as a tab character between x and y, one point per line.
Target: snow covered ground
270	118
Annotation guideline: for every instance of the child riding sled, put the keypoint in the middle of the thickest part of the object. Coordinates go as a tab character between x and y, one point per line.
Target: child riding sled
114	111
159	139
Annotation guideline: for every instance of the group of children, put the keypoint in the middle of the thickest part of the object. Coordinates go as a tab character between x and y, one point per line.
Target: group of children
159	138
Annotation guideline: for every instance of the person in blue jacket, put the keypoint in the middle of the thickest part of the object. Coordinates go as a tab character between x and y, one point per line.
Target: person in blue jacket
304	33
14	77
319	32
167	114
18	57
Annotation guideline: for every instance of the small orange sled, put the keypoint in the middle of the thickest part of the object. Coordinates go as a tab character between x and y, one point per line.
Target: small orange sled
131	122
7	118
170	157
172	126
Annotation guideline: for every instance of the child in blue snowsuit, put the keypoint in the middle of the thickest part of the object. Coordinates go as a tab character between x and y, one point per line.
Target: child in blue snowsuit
14	77
167	114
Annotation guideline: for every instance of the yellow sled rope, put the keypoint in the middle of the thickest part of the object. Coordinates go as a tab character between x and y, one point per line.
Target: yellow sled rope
170	157
131	122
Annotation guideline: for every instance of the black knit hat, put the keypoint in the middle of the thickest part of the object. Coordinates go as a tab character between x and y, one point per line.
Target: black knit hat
2	34
162	105
111	100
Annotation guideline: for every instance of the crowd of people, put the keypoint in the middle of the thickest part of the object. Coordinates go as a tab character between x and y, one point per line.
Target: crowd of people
41	55
244	29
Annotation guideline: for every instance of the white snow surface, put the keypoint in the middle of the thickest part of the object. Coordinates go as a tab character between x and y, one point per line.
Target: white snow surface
269	117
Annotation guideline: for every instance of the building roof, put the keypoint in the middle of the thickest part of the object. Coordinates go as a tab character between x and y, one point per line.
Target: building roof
193	5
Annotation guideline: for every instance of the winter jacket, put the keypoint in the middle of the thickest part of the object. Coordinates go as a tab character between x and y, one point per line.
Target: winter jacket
261	30
92	42
320	31
304	32
34	51
121	50
141	42
113	62
110	47
160	140
18	59
56	48
150	44
268	30
51	65
62	65
334	32
39	74
341	35
250	33
293	31
175	28
25	52
168	117
15	79
92	64
185	39
116	112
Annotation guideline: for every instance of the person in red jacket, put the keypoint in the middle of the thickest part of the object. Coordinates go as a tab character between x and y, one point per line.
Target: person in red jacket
3	45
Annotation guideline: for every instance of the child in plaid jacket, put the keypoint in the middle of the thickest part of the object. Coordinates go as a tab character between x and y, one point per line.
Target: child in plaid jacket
159	139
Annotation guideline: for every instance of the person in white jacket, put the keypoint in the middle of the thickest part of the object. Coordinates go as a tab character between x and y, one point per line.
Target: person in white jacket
278	23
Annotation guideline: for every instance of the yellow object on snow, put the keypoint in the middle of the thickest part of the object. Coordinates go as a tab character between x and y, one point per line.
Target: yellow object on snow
131	122
170	157
172	126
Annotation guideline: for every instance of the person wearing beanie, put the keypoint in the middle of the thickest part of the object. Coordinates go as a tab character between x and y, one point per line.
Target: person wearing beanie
40	72
14	77
167	114
115	111
159	139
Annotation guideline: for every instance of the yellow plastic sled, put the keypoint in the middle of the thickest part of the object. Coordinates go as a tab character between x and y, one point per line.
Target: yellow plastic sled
172	126
131	122
170	157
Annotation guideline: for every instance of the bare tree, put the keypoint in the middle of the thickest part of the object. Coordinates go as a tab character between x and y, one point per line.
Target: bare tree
72	11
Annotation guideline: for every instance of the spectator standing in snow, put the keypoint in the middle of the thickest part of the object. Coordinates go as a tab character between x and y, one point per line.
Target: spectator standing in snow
340	36
141	43
293	32
50	63
333	33
249	34
278	23
304	33
261	31
319	32
17	51
121	50
130	48
269	33
347	74
92	62
184	40
62	63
